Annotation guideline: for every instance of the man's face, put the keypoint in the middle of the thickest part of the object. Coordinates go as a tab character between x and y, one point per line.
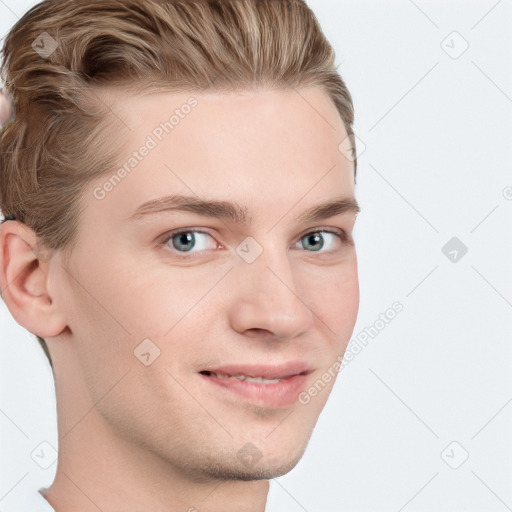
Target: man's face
271	296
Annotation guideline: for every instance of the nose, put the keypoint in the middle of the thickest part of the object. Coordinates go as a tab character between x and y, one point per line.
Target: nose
268	300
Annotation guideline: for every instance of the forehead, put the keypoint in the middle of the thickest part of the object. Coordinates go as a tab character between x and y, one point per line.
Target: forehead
270	146
290	113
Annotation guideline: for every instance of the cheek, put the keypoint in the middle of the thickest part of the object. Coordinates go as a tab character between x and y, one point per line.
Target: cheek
124	302
336	300
100	305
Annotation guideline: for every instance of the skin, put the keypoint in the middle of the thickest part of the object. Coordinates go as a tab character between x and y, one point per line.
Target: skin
158	438
6	110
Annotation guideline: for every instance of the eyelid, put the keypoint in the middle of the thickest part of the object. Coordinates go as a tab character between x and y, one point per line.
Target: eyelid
323	229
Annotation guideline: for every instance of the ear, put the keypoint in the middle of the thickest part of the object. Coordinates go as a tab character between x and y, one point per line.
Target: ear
24	278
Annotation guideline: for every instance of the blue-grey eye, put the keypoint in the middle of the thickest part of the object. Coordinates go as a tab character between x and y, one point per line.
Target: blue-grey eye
186	241
324	240
313	241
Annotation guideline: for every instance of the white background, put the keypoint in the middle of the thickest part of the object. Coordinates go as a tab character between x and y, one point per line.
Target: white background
437	163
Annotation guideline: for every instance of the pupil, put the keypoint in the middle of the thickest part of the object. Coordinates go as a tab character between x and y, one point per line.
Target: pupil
185	238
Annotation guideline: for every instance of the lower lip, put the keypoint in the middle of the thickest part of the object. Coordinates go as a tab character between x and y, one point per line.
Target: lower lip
275	394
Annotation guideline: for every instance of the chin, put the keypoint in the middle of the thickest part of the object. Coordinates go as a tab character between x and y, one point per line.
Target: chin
268	472
260	471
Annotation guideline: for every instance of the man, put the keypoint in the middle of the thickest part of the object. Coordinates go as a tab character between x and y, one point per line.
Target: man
178	192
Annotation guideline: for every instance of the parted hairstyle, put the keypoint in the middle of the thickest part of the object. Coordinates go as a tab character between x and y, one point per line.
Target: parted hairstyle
56	57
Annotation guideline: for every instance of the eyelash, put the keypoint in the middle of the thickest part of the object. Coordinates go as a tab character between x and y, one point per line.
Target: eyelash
340	233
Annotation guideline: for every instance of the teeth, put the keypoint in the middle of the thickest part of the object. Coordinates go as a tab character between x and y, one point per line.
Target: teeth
259	380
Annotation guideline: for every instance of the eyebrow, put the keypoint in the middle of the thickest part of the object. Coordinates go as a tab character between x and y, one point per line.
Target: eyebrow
237	214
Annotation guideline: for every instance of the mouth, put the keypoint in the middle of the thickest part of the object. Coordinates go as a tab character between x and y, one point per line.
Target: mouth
270	386
249	378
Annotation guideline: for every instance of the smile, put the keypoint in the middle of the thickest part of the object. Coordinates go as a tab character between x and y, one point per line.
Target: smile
271	387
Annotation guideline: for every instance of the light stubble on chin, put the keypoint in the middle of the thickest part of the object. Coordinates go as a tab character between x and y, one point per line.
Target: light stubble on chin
236	472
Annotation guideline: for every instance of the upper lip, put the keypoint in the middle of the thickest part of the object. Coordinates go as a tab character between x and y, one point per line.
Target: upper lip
266	371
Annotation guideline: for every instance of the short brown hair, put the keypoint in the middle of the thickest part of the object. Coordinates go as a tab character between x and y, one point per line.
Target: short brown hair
55	145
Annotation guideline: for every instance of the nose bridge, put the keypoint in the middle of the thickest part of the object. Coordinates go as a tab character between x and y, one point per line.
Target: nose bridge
271	269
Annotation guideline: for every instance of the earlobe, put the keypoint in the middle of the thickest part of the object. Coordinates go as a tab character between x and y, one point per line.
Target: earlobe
23	281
